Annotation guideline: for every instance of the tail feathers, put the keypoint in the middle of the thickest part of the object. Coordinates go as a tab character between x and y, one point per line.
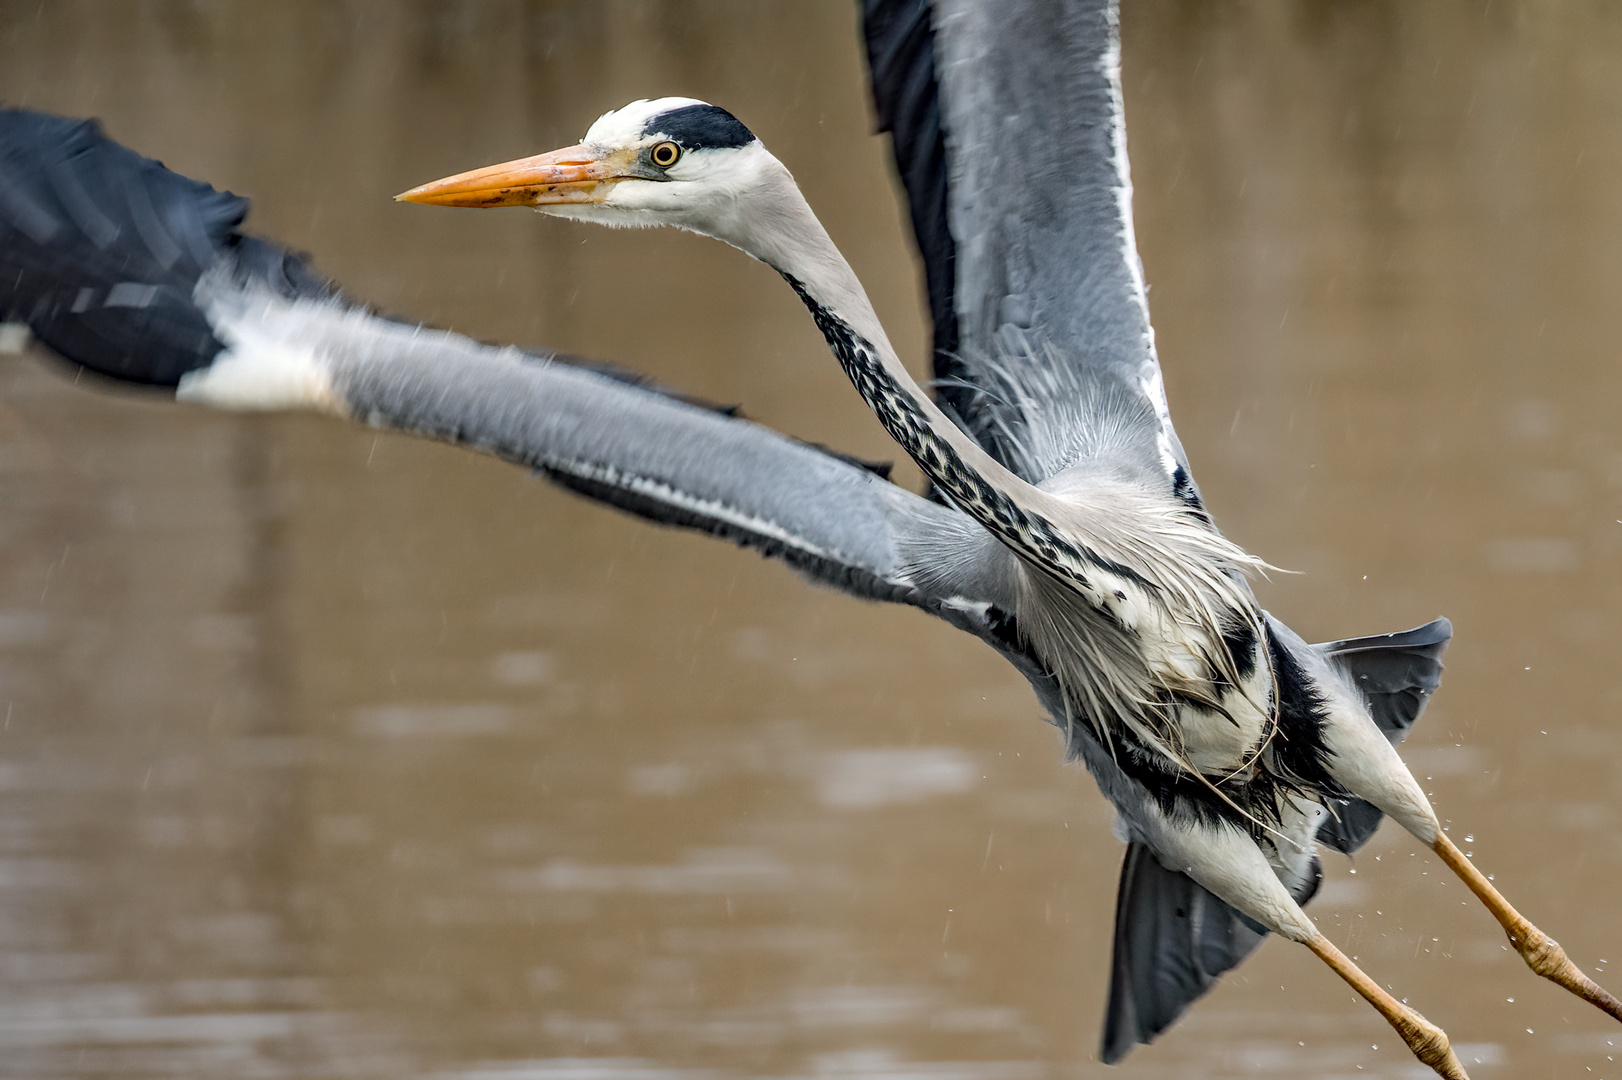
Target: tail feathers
1173	940
1396	674
101	248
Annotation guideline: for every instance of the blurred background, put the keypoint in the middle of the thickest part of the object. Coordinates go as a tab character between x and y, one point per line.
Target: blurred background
334	754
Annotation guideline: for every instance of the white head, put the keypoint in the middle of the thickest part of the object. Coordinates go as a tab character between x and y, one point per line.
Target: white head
671	161
676	161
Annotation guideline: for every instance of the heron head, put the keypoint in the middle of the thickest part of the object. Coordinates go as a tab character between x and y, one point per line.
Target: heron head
670	161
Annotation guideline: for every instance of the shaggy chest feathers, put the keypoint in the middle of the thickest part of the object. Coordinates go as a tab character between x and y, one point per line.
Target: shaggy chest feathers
1164	659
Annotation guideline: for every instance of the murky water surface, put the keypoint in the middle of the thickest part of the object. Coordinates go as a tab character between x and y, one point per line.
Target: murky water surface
332	754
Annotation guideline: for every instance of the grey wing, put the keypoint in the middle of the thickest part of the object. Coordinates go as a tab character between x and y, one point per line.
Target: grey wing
616	440
1007	125
140	274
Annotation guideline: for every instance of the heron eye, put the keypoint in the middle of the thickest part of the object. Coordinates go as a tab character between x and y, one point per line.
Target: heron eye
665	154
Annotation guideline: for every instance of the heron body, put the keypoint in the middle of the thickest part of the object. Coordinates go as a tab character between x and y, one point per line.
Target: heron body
1067	534
1114	579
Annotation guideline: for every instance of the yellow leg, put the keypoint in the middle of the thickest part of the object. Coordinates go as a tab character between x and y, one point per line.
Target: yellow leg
1427	1041
1541	953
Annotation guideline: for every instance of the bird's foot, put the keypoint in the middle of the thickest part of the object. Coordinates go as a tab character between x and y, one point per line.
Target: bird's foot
1541	952
1429	1044
1545	956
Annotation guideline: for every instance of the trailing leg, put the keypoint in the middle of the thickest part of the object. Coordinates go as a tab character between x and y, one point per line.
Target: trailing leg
1541	952
1428	1042
1232	866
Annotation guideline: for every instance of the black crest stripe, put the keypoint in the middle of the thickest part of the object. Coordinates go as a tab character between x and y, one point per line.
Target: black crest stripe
700	127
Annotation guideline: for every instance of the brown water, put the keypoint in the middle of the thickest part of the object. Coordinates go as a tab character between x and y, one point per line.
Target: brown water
331	754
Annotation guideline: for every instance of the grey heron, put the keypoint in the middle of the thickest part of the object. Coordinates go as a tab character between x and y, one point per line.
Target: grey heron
402	400
1096	543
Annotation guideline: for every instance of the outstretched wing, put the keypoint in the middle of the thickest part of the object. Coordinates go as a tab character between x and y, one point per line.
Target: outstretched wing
139	273
1007	123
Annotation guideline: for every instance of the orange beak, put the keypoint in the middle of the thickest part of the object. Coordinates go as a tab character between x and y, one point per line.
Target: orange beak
575	174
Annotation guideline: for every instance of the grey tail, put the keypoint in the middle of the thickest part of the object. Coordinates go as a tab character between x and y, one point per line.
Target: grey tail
1173	939
101	249
1396	674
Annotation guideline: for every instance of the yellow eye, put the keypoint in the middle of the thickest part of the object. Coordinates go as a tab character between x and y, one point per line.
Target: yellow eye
665	154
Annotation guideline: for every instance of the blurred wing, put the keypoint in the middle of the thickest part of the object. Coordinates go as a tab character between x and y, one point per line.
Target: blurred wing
100	250
1008	131
139	273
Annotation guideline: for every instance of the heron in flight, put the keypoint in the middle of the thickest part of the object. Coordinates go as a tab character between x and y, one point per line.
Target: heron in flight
1068	533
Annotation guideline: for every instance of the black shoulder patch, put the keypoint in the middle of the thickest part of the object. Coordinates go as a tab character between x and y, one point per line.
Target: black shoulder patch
700	127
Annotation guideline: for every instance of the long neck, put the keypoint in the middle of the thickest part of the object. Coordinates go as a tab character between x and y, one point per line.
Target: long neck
1106	548
1010	508
1177	559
